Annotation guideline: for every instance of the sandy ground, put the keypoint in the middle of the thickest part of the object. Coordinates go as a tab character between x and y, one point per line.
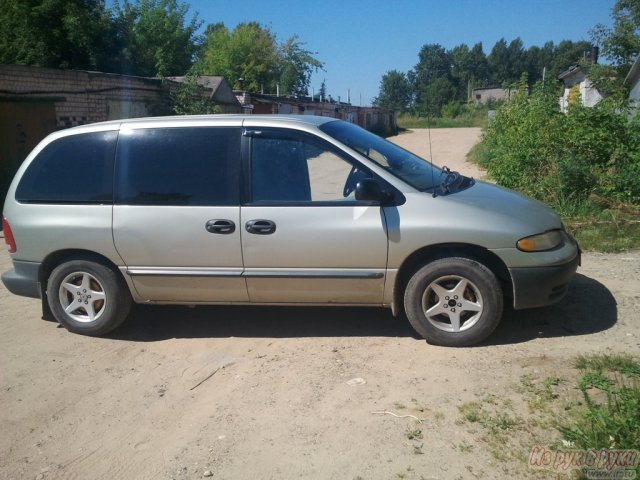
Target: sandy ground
269	393
448	147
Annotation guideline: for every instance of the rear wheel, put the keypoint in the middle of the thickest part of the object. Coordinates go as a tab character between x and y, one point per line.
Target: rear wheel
87	297
454	302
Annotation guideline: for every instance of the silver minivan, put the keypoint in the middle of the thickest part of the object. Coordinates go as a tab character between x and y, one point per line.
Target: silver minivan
278	210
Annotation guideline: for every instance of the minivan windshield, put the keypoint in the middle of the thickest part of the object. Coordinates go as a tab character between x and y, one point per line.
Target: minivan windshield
414	170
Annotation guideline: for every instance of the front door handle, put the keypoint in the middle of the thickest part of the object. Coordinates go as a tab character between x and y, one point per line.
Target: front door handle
223	227
260	227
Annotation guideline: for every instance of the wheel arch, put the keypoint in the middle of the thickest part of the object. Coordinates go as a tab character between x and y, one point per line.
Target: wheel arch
57	258
424	255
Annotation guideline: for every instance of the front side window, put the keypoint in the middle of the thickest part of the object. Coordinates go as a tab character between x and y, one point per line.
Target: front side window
401	163
72	169
196	166
294	167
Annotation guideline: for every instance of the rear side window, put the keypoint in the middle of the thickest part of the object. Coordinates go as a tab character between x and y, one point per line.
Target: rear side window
178	166
73	169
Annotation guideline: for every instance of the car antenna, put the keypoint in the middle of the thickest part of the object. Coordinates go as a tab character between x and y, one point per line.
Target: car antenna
430	149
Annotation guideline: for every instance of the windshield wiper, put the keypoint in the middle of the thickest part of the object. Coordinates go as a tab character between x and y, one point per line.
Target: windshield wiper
452	179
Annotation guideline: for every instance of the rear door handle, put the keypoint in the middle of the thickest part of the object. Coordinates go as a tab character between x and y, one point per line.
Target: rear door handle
223	227
260	227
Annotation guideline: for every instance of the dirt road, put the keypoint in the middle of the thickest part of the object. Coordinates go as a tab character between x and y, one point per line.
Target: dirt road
279	393
444	146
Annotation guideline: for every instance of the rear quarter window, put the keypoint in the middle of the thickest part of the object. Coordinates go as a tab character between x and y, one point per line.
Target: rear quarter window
73	169
196	166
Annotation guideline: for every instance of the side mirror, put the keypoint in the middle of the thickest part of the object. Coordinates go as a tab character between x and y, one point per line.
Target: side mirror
369	190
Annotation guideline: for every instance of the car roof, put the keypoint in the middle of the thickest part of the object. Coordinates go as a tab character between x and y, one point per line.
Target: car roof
311	120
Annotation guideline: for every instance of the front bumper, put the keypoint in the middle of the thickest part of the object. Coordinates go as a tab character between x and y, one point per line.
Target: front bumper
540	286
23	279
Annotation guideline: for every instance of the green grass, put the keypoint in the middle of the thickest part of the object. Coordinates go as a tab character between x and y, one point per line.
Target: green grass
610	415
409	121
624	364
601	411
602	227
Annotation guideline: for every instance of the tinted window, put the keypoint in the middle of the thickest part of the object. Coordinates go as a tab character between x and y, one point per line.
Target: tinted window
178	166
291	167
74	169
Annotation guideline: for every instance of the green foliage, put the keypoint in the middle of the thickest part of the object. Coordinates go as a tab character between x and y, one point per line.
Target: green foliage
251	52
531	147
56	33
620	44
395	92
444	76
295	66
148	37
188	99
431	80
158	39
454	115
610	418
619	363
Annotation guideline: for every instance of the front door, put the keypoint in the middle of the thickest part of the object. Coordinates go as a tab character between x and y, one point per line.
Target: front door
305	238
176	218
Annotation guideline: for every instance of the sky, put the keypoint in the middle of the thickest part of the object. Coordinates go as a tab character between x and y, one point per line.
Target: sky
360	40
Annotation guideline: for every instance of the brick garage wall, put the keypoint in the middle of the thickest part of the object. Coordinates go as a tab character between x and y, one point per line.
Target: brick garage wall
85	97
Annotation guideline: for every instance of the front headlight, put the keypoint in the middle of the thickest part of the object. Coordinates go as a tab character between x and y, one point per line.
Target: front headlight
541	242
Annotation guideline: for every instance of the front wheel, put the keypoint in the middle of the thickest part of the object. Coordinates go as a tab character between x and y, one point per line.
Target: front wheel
453	302
87	297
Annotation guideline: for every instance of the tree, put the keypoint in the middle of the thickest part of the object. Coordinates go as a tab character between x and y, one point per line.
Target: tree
395	92
157	38
431	78
322	93
56	33
621	44
148	37
517	59
478	66
296	64
249	52
566	54
468	69
460	70
498	61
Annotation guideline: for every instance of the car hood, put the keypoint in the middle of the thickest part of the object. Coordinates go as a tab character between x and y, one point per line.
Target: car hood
483	213
507	203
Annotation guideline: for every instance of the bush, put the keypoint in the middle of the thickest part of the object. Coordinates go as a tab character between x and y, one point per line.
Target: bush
558	158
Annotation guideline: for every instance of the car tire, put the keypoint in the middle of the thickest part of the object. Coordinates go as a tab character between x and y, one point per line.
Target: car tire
87	297
454	302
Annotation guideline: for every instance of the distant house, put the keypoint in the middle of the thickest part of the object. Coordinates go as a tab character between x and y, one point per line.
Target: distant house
576	82
484	95
218	90
633	82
